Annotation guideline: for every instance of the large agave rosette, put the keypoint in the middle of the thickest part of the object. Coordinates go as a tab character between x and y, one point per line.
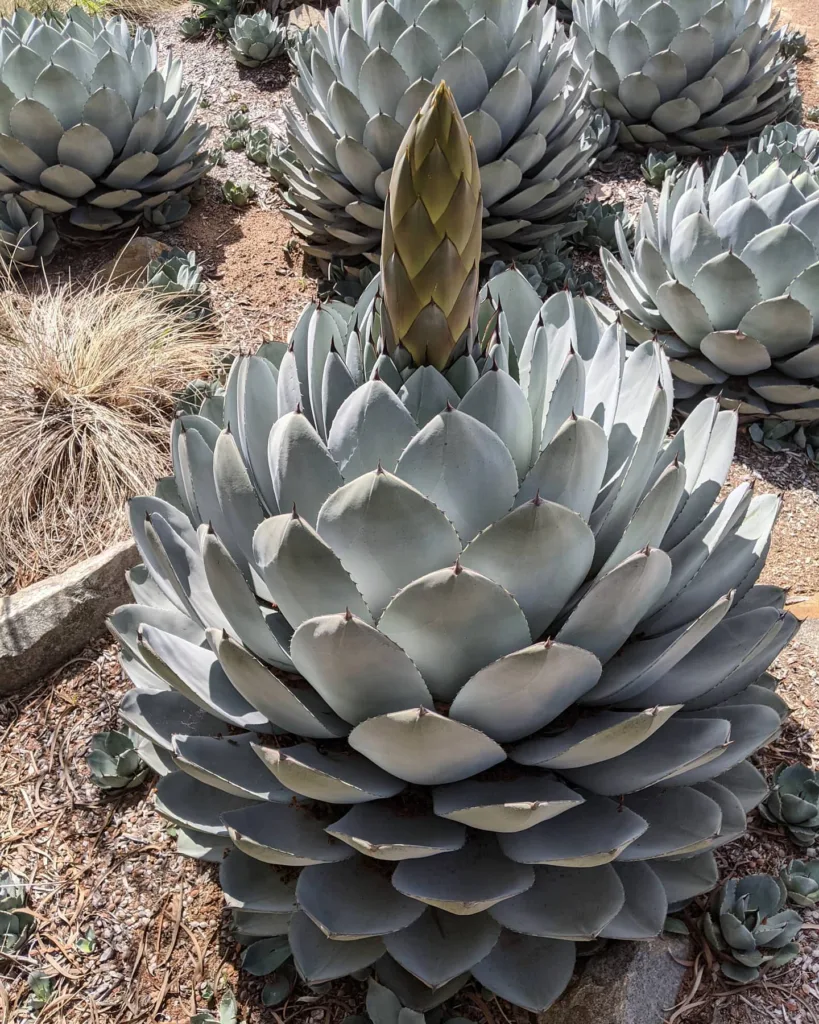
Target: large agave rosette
90	125
471	647
725	271
362	80
686	75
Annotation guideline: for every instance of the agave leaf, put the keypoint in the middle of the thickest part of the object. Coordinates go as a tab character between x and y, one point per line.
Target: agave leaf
349	901
381	831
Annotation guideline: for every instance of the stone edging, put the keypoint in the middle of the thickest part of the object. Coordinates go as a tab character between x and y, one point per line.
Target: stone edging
44	625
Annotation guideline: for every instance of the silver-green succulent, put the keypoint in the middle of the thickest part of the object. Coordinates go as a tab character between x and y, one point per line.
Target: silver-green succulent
175	273
16	923
12	890
793	44
725	271
551	270
192	27
362	80
384	1007
219	14
257	145
169	215
257	38
791	146
687	75
599	220
794	803
801	879
237	120
114	762
235	142
432	611
90	126
239	193
750	929
657	166
27	234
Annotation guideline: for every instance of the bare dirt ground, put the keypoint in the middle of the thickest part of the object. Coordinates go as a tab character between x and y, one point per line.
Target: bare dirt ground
162	940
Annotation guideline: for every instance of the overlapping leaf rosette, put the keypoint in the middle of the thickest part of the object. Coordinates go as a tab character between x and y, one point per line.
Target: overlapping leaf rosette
90	125
685	75
362	79
431	611
725	271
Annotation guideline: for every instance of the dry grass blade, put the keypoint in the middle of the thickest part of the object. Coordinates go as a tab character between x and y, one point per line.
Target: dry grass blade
87	377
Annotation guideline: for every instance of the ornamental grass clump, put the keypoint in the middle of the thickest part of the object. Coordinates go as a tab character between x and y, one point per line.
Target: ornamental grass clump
87	377
441	650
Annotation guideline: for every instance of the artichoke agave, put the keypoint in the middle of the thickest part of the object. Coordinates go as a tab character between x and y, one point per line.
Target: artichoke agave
257	38
16	923
169	215
599	220
89	125
27	233
114	763
362	80
801	879
727	271
687	75
794	803
460	637
748	925
12	891
551	270
791	146
657	166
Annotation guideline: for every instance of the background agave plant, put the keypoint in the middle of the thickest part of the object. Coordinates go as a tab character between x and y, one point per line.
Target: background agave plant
801	879
114	763
794	803
257	38
91	127
727	271
384	499
27	234
792	147
598	221
683	75
657	166
748	924
362	80
16	923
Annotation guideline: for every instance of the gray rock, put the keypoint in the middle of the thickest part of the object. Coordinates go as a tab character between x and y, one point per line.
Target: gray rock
626	983
44	625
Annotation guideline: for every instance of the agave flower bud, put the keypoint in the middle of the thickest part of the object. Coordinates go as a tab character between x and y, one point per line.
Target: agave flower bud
432	236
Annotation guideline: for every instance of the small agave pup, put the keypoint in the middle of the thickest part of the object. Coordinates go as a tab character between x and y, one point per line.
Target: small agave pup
725	272
801	879
794	803
515	647
257	38
749	927
93	128
685	75
362	79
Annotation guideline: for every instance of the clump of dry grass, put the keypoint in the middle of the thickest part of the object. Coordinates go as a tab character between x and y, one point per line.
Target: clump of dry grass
87	376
